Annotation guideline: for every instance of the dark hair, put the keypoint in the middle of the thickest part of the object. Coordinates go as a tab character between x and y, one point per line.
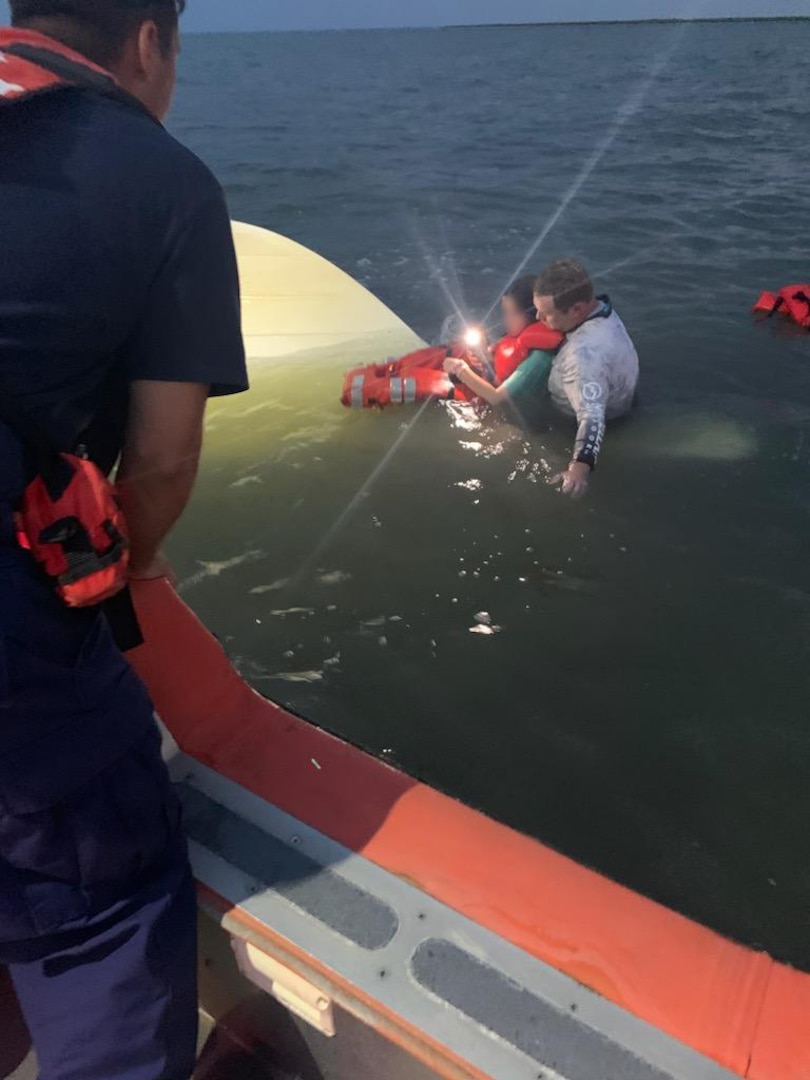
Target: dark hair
567	281
522	292
98	29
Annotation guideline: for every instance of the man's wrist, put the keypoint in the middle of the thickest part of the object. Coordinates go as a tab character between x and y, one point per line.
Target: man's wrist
139	561
158	567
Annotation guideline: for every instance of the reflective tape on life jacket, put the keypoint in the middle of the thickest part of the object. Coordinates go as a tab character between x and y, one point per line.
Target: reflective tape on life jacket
409	389
793	301
356	394
366	388
510	352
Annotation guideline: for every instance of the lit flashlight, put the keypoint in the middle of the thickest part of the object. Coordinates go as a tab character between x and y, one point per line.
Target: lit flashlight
474	337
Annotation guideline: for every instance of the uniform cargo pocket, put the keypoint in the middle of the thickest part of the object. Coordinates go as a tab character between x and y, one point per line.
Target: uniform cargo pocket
96	847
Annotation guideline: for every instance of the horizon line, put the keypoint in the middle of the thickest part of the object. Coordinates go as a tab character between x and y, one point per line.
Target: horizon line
521	24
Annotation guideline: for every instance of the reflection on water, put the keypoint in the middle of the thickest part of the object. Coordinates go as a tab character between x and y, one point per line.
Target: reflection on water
641	653
625	677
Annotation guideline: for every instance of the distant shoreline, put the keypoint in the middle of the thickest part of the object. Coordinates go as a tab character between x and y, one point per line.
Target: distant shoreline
622	22
517	25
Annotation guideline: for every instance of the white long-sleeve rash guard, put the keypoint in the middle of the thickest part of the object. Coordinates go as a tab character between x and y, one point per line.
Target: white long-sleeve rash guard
594	378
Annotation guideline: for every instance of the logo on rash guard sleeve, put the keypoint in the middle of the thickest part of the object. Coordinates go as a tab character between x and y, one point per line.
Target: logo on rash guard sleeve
592	392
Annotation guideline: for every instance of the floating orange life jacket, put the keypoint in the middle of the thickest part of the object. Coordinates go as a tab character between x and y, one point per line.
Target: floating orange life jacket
69	517
510	352
793	302
420	375
413	378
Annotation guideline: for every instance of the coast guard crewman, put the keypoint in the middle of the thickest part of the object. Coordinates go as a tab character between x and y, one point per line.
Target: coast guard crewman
119	316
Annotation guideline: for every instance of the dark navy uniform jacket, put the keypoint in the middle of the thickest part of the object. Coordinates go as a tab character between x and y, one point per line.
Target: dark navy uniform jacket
116	264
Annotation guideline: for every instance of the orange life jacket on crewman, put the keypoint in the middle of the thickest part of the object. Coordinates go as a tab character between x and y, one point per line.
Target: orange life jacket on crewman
33	64
793	301
510	352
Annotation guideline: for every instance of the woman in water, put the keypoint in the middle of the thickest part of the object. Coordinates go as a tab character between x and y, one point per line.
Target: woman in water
521	360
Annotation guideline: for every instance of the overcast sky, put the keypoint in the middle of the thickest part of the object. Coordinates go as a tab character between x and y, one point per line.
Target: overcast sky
313	14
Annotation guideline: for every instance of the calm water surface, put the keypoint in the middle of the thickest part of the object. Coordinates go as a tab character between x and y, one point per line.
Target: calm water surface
644	705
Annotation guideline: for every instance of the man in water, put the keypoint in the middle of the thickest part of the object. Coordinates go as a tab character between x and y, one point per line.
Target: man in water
119	302
594	376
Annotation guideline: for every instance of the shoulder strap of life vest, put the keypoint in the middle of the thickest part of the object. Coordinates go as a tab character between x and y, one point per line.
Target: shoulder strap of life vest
41	451
32	64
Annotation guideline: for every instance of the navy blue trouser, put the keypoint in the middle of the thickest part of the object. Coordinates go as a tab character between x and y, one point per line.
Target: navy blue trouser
97	911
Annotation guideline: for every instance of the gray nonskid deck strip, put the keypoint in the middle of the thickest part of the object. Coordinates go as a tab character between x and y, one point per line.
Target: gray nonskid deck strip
388	981
339	904
523	1018
445	1002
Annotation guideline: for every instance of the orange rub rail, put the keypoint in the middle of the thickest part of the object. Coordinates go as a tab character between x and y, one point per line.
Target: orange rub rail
730	1003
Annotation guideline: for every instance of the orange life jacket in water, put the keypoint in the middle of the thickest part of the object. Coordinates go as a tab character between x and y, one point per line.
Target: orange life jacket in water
420	375
793	302
413	378
69	517
510	352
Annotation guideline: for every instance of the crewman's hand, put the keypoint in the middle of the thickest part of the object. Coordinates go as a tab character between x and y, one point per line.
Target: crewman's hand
454	366
159	567
575	480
